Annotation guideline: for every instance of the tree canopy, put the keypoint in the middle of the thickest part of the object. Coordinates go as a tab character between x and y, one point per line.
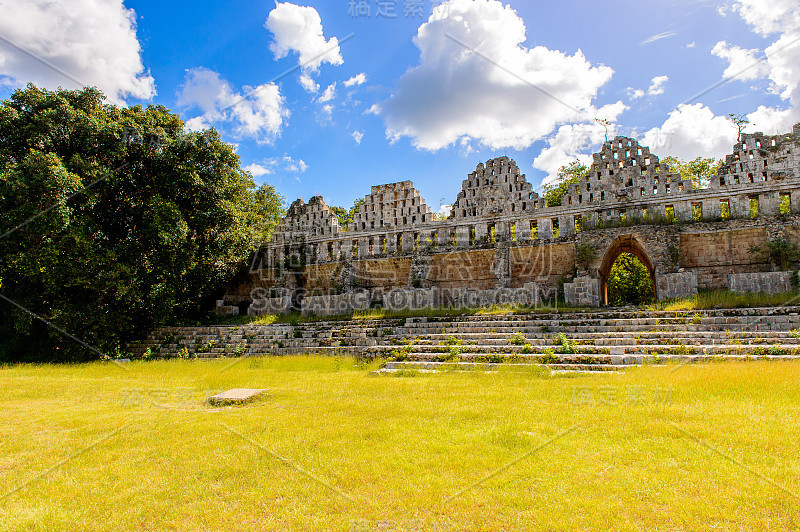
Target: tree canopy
346	216
567	175
699	171
629	282
114	221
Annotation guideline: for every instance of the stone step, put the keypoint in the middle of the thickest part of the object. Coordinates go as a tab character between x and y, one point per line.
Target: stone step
589	350
495	366
588	358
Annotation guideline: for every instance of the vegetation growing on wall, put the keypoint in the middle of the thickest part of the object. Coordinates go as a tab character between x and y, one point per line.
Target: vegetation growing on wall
779	252
699	171
567	175
345	216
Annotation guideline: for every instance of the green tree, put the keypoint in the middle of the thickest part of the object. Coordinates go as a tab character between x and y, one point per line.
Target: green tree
114	221
700	171
629	282
346	216
567	175
741	122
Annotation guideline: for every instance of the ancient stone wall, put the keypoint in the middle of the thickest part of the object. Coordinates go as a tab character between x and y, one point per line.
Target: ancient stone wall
500	234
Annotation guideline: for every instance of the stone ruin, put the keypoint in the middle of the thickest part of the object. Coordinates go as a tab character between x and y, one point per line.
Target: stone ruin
502	244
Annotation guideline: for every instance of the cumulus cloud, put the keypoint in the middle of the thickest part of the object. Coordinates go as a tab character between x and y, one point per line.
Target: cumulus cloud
656	87
357	136
454	94
257	112
87	42
358	79
299	29
308	83
742	64
780	18
285	164
257	170
692	131
444	211
329	93
571	142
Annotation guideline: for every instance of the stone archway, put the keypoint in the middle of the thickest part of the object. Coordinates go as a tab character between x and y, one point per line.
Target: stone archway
624	244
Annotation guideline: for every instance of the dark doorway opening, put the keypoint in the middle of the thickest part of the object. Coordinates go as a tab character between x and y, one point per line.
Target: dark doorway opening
627	264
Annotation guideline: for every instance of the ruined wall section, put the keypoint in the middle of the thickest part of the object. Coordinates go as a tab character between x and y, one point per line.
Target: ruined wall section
623	172
392	205
494	189
499	227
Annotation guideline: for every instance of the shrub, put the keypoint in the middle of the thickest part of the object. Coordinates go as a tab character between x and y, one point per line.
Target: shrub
517	339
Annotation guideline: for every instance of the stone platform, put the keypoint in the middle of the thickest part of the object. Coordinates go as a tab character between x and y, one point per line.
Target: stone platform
602	338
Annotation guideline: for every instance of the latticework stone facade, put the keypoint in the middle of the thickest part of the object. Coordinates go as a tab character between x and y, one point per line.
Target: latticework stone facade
500	234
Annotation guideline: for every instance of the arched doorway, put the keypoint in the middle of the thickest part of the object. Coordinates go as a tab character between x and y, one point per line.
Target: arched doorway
624	244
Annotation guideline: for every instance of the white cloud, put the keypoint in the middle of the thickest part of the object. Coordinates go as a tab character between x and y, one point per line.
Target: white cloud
294	166
357	136
358	79
692	131
285	164
444	211
742	64
329	93
256	113
635	94
571	142
257	170
454	94
658	37
308	83
691	45
656	87
299	29
781	18
92	41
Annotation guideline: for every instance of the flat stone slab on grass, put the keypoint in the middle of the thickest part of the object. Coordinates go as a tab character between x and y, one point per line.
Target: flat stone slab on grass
235	396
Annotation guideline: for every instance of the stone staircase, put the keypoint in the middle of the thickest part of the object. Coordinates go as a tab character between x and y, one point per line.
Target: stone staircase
592	340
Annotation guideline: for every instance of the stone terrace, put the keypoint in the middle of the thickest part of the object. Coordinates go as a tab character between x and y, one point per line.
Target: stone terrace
596	339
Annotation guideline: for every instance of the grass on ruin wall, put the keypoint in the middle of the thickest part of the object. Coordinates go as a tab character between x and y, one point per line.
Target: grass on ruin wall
705	299
714	299
96	447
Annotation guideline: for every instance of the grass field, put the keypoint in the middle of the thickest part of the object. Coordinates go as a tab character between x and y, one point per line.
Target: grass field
104	447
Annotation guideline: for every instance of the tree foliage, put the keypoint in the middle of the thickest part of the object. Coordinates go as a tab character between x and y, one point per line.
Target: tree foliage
124	222
346	216
741	122
699	171
629	282
567	175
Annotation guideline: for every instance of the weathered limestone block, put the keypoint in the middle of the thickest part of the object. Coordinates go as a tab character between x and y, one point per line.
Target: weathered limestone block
333	305
272	305
226	310
768	282
583	291
413	299
676	285
468	298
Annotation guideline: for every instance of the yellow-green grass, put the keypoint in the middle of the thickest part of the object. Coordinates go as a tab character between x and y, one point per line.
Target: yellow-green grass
710	299
695	447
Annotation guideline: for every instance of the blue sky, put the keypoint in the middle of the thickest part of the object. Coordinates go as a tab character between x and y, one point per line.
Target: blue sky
323	98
